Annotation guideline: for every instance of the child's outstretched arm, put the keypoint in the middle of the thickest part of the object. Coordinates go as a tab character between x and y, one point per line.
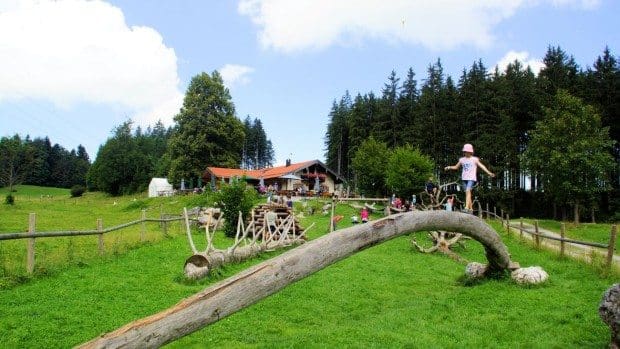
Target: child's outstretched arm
484	168
455	167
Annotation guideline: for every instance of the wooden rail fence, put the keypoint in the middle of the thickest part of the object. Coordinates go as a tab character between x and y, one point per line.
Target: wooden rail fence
539	237
31	235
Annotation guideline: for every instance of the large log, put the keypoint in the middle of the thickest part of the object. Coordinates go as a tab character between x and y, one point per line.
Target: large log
266	278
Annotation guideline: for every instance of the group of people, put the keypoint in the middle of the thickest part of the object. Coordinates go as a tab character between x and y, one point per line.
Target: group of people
364	216
469	175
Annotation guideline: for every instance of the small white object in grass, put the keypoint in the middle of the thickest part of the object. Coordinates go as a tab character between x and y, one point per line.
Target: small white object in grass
530	275
475	270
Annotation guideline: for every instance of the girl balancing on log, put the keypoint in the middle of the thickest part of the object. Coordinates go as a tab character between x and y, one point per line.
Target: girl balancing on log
470	164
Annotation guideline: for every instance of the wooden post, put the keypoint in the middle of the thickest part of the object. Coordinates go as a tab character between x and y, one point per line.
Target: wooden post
562	234
100	236
521	228
164	224
507	224
143	230
32	222
536	234
487	210
494	211
501	212
331	221
612	246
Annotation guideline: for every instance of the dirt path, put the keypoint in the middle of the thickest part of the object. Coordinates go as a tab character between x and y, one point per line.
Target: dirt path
573	250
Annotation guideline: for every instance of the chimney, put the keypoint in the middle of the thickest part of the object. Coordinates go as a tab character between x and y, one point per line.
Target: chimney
288	162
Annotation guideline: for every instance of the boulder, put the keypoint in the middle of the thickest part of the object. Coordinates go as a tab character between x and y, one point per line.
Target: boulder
530	275
609	311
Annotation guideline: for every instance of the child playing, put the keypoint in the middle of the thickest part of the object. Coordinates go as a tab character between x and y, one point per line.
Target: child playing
470	165
364	215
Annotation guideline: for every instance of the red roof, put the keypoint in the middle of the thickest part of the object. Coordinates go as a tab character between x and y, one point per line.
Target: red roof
272	172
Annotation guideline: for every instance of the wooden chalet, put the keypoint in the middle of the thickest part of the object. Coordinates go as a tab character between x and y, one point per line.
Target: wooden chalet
308	178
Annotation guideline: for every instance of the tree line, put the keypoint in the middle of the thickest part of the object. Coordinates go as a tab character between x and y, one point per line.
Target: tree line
498	112
206	132
38	162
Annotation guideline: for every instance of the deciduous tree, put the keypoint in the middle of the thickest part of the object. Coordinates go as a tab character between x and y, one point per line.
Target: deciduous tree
570	151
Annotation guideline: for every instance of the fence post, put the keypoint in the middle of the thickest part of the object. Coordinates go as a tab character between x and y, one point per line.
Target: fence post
521	228
612	245
501	212
507	224
536	232
100	236
162	224
487	210
331	221
562	234
143	230
32	223
494	212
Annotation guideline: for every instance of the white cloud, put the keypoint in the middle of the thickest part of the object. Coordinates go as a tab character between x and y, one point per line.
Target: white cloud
522	56
235	75
76	51
583	4
292	26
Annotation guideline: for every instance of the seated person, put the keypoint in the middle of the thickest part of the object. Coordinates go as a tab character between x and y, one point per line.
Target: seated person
431	189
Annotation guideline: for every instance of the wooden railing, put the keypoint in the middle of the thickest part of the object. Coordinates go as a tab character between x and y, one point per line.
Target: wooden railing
538	237
32	234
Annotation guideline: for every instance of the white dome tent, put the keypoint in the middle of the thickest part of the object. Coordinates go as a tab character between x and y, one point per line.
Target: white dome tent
160	187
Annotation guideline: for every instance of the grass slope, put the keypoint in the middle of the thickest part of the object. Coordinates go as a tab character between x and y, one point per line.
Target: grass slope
385	296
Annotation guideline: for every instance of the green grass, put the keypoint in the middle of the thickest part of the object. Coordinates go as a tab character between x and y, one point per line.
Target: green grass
385	296
56	211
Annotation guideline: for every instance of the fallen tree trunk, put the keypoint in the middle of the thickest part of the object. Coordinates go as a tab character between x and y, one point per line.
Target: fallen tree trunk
266	278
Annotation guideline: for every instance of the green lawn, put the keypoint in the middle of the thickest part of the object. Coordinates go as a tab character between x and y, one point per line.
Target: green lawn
385	296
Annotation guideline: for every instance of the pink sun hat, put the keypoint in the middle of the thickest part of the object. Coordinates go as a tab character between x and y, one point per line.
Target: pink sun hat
468	148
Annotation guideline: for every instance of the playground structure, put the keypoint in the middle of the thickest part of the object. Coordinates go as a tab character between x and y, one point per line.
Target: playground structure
271	227
268	277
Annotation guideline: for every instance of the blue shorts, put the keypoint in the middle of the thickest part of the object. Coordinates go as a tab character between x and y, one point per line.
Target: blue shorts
468	185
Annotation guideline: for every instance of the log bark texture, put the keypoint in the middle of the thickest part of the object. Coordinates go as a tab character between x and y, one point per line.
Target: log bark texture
266	278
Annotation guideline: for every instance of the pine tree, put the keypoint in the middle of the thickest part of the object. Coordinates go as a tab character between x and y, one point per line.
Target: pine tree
337	136
407	106
560	72
206	132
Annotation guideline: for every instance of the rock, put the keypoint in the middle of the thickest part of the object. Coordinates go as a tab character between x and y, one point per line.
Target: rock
609	311
475	270
530	275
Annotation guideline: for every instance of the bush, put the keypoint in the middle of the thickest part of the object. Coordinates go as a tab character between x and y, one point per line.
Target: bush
136	205
9	200
77	190
231	199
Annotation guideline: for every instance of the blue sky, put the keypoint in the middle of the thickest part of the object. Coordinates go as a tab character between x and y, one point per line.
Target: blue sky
73	70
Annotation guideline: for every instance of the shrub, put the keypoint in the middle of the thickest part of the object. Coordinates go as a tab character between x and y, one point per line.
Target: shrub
9	200
77	190
232	198
136	205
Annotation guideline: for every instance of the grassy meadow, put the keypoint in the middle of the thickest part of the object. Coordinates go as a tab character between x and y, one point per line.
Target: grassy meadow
385	296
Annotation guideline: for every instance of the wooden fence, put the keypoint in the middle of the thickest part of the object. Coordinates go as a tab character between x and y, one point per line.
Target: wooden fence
32	234
538	237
